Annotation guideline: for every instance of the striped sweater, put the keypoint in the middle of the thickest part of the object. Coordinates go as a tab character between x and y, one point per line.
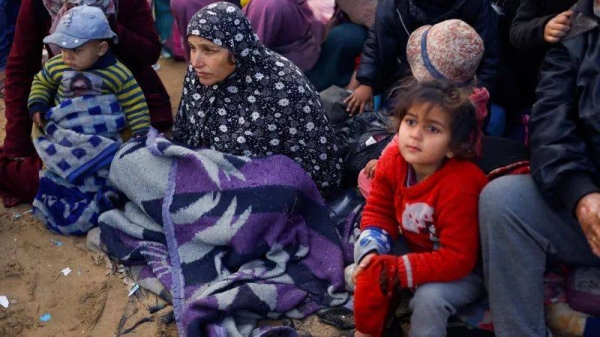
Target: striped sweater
56	81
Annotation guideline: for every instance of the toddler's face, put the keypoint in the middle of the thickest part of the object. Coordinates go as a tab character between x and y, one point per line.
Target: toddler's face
84	56
424	137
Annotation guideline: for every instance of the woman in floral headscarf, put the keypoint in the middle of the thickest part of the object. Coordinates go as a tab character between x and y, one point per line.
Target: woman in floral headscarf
241	98
138	48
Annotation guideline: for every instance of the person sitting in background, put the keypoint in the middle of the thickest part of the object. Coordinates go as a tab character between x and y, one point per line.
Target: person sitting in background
553	215
9	9
287	27
384	62
527	29
537	25
343	43
183	10
453	51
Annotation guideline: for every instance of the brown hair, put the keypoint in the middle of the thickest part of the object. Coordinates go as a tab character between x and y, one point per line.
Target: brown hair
451	100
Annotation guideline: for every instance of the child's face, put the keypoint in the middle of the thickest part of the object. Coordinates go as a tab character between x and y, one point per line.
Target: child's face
84	56
424	138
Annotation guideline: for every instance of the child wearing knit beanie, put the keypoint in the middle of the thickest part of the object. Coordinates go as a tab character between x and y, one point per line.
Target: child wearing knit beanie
450	50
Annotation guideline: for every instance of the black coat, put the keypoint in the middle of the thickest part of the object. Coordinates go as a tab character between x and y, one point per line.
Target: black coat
383	60
527	28
523	21
565	121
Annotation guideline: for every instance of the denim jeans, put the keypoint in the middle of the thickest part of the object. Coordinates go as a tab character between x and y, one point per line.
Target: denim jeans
336	62
520	232
433	303
9	9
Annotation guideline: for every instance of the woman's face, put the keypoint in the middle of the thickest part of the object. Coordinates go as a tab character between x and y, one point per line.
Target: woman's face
210	61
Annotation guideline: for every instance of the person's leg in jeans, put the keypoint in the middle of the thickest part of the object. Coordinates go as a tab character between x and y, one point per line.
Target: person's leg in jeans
519	231
336	61
9	9
4	36
433	303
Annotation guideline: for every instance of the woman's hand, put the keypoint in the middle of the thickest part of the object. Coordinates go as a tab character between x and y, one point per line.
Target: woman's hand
588	214
558	27
362	265
359	99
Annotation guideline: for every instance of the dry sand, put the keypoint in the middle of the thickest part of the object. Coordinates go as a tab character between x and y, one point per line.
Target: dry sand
89	301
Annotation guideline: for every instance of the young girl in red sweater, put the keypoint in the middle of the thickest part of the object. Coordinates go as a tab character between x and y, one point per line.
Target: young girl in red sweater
426	190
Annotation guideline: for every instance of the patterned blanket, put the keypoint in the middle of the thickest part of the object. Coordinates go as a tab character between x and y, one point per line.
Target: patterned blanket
229	240
80	140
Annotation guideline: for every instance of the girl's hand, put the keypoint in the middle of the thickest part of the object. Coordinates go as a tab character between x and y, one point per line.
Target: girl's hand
370	168
359	99
362	265
558	27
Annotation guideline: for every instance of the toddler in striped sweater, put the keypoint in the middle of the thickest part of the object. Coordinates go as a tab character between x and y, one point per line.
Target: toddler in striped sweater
86	66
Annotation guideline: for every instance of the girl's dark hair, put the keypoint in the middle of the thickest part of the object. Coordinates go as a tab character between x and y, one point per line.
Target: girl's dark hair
452	100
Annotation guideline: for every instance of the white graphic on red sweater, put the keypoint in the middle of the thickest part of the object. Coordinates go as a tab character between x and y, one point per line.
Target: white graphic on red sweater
417	217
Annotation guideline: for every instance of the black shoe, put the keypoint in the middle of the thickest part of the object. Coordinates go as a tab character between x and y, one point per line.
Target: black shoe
339	317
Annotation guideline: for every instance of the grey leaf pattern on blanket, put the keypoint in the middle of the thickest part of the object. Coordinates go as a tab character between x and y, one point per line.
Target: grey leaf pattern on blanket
219	234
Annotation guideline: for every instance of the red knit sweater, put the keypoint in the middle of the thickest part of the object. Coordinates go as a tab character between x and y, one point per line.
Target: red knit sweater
438	217
138	48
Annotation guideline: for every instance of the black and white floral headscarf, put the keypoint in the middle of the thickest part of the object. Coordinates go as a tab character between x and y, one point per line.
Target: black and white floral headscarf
265	107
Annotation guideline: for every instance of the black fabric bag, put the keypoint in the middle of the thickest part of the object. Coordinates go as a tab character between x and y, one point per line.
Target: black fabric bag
359	138
370	133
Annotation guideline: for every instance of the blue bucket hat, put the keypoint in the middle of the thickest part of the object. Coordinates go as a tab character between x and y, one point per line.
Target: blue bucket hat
79	25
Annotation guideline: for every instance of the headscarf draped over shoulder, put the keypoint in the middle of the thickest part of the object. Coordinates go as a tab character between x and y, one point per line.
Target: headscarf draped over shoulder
265	107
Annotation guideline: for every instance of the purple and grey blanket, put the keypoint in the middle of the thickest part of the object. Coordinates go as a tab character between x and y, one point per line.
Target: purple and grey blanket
229	240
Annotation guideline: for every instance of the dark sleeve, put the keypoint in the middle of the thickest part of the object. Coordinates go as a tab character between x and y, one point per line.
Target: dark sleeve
139	45
560	160
381	49
486	24
527	29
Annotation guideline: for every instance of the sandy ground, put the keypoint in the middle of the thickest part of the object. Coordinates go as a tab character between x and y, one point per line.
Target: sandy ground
90	301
